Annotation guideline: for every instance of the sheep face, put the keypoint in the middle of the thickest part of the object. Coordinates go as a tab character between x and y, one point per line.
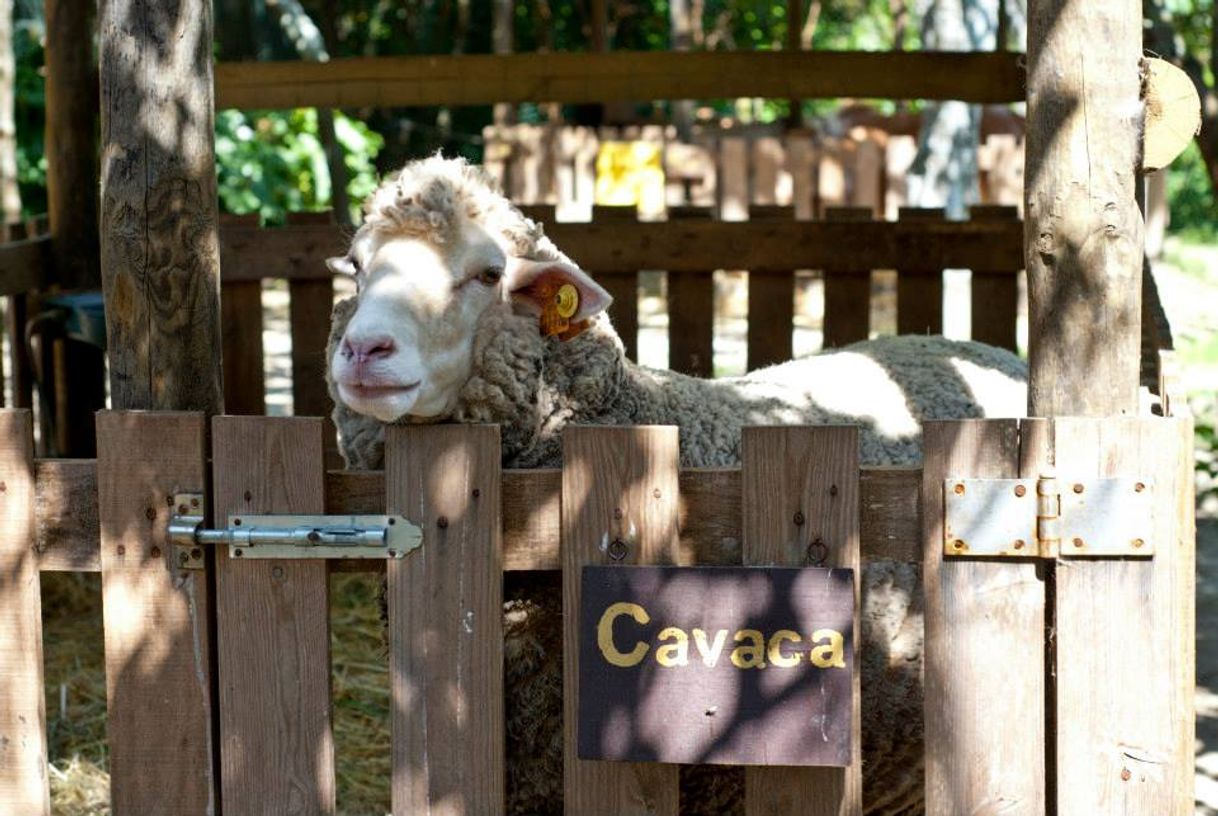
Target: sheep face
408	349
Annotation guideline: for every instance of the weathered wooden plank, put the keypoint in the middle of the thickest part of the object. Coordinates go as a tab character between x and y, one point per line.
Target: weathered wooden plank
709	515
157	633
618	76
295	252
771	303
21	378
159	250
241	336
23	736
691	310
622	284
800	486
618	483
1084	231
994	292
985	680
919	288
446	621
309	317
847	292
24	265
70	139
276	745
1125	641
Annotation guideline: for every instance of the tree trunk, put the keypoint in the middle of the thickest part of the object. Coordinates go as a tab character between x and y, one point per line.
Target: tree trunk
1083	228
944	171
159	248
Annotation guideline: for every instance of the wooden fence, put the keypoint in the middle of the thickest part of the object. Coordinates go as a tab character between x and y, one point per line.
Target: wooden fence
732	168
986	669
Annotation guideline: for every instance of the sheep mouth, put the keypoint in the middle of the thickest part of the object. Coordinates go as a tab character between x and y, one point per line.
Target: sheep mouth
362	391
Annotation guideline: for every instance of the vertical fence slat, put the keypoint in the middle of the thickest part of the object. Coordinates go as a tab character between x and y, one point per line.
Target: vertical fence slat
311	302
23	736
771	303
241	336
995	292
276	745
1125	647
813	472
446	621
21	387
622	284
691	311
984	674
157	635
617	482
920	291
847	292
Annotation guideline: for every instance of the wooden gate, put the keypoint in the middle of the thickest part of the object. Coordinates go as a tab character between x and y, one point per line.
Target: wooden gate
252	725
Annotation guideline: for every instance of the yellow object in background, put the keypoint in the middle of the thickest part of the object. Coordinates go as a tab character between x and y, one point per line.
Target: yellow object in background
630	173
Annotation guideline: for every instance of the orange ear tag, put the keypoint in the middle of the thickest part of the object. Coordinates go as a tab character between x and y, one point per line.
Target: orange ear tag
560	303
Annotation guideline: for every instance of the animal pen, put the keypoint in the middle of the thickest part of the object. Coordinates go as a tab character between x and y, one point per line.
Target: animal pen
1058	663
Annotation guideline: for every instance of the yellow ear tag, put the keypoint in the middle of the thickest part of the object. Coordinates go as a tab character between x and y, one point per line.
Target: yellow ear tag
560	304
567	301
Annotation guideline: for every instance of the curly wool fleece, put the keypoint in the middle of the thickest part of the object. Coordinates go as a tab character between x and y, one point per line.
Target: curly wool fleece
533	387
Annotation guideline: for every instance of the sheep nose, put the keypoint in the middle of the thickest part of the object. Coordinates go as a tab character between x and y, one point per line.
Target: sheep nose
359	350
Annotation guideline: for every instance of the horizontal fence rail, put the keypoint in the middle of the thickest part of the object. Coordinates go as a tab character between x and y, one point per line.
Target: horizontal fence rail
709	514
299	251
484	79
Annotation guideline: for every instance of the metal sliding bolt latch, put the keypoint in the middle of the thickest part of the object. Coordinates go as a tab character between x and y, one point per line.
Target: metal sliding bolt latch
289	536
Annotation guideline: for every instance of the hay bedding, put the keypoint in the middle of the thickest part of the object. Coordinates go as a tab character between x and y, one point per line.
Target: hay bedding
75	677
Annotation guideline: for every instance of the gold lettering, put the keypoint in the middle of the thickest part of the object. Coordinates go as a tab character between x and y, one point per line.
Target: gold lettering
673	654
604	634
710	656
750	656
777	658
831	654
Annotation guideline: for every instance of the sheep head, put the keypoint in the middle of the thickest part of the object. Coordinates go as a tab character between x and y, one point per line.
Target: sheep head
440	250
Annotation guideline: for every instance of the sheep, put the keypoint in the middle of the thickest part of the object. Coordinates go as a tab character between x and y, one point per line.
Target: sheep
454	321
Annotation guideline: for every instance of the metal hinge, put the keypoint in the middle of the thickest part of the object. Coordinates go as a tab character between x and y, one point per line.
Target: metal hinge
289	536
1047	517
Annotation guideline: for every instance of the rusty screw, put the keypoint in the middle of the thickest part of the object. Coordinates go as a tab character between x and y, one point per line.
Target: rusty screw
1078	542
1078	488
1125	774
149	513
194	502
196	553
392	520
238	553
277	572
959	490
656	493
1137	542
442	522
958	544
3	487
1020	490
1019	543
155	552
182	510
1139	487
122	550
798	518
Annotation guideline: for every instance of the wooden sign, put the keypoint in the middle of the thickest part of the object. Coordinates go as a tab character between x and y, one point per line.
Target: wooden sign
719	665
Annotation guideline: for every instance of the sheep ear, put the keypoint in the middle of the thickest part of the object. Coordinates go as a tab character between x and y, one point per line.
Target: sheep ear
534	284
342	266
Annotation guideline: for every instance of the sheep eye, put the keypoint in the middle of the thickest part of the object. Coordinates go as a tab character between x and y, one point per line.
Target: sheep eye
491	275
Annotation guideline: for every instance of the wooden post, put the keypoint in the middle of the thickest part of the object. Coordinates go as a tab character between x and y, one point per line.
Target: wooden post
620	482
446	621
847	292
994	292
1122	678
622	284
691	311
160	270
1083	233
160	259
71	141
801	485
920	291
771	302
23	733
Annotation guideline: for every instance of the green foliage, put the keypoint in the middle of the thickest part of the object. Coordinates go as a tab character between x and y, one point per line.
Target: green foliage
29	109
1191	197
273	162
